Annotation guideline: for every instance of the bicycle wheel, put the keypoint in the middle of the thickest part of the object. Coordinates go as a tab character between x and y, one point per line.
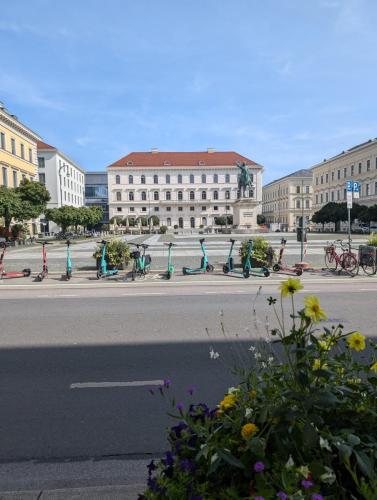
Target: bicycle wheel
349	263
330	261
369	265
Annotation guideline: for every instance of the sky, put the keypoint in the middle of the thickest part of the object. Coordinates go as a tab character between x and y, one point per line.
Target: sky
286	83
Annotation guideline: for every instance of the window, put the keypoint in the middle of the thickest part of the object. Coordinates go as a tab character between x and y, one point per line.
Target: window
15	183
192	209
215	195
344	194
180	196
204	195
376	162
227	178
13	146
117	179
5	176
179	179
332	195
367	193
227	195
352	169
168	195
204	209
41	162
321	198
316	199
216	207
215	178
129	162
156	196
142	179
204	221
180	221
167	179
332	175
192	222
359	168
119	196
316	181
143	209
307	189
22	151
298	204
143	196
327	197
180	209
307	204
338	174
119	209
132	209
321	181
168	221
2	140
155	179
130	179
345	172
375	188
168	209
131	196
327	178
192	179
227	207
204	178
156	209
192	195
338	195
368	165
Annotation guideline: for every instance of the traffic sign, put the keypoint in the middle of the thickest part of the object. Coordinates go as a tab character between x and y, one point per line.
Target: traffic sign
349	186
356	190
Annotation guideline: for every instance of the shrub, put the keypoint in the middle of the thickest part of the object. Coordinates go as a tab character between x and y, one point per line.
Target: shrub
117	253
373	240
260	250
163	229
304	428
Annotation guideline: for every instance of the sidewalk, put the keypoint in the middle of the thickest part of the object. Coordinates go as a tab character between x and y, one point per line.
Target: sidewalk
126	492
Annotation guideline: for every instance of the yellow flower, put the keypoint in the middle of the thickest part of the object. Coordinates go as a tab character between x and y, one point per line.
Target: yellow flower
228	401
290	286
318	364
252	394
374	367
356	341
324	345
248	431
313	309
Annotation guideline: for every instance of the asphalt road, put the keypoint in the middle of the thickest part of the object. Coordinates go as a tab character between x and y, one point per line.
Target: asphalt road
52	342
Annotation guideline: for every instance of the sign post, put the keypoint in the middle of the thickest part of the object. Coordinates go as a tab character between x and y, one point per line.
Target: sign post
350	187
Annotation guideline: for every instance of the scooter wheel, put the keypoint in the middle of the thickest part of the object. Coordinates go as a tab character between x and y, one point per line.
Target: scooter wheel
168	275
266	273
26	272
39	277
68	275
298	272
210	268
225	269
184	271
98	275
246	273
276	268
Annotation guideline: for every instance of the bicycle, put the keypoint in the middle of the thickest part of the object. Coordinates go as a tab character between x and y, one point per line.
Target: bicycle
142	262
347	260
367	259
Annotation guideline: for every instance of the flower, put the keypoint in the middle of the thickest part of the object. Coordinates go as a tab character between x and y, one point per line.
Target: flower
167	383
213	354
304	471
290	286
313	309
318	364
191	390
374	367
248	412
306	483
328	477
252	394
228	401
324	345
259	498
259	467
232	390
317	496
248	430
180	407
356	341
324	444
282	495
290	463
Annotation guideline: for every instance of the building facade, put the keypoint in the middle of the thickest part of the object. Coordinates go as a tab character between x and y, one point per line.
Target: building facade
18	150
186	190
96	192
287	199
356	164
63	178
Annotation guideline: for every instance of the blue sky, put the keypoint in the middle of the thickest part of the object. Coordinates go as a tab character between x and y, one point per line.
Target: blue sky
284	82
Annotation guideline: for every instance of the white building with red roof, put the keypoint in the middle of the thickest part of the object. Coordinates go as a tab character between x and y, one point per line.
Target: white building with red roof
184	189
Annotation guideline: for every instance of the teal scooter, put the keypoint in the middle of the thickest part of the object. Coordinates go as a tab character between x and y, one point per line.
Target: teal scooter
103	271
142	262
170	269
244	268
205	266
68	267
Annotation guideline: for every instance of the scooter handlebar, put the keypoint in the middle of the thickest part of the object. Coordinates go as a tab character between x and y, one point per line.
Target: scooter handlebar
202	240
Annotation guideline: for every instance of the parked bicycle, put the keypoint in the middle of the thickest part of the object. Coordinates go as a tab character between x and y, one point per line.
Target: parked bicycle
347	260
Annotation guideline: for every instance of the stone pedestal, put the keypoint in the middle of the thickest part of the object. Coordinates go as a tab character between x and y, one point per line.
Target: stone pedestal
245	213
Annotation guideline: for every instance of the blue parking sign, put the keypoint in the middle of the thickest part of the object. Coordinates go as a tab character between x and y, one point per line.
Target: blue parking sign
356	187
349	186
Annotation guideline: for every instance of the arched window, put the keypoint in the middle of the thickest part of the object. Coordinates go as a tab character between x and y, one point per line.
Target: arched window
192	195
204	178
192	222
143	196
179	179
180	222
155	195
130	179
227	178
204	221
180	195
215	195
204	195
119	196
117	179
192	179
215	178
142	179
227	195
131	196
155	179
168	195
167	179
251	193
168	221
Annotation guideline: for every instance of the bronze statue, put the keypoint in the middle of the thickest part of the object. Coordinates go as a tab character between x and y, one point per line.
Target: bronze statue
245	180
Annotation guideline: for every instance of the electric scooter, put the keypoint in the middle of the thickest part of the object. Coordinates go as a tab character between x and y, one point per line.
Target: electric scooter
170	270
142	262
11	274
244	268
281	266
205	266
68	271
102	271
43	274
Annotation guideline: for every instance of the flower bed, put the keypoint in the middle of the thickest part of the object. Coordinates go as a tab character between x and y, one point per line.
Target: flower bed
301	424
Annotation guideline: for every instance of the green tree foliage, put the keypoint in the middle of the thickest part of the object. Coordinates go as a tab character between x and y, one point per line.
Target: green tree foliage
336	213
261	219
220	221
66	216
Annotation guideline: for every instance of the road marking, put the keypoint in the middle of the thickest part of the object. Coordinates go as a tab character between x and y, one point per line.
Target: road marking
367	289
65	295
105	385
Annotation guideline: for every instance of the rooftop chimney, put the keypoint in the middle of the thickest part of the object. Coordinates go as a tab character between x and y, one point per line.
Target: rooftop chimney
154	150
210	150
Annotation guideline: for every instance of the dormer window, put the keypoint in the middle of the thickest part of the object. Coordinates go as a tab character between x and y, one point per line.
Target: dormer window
167	163
201	162
130	162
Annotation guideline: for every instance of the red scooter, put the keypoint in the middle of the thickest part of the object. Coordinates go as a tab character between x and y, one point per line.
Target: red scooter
11	274
42	275
281	266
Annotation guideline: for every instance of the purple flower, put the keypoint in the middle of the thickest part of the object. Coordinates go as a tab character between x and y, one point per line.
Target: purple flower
167	383
177	429
187	465
191	390
258	498
259	466
306	483
180	407
317	496
151	467
169	459
282	495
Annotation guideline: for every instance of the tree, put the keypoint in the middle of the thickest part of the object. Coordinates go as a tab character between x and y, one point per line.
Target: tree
155	220
10	206
220	221
261	219
64	216
336	213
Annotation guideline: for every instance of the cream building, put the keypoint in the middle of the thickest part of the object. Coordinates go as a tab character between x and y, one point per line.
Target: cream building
287	199
187	190
357	164
18	150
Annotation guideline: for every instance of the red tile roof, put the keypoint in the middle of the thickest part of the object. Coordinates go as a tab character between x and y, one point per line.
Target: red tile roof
182	159
44	145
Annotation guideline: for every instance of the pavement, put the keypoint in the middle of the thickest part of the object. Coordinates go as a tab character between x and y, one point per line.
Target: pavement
77	361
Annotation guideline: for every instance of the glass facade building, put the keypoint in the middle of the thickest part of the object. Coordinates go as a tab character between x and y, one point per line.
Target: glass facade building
96	192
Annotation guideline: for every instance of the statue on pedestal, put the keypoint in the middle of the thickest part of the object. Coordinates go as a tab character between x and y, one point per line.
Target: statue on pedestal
245	180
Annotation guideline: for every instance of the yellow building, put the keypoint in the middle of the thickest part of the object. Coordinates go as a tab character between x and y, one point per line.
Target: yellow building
18	150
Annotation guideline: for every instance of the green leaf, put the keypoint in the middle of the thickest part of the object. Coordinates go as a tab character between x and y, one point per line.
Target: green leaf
353	440
230	459
365	464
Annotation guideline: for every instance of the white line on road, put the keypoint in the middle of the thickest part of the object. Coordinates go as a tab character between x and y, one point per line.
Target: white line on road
105	385
65	295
